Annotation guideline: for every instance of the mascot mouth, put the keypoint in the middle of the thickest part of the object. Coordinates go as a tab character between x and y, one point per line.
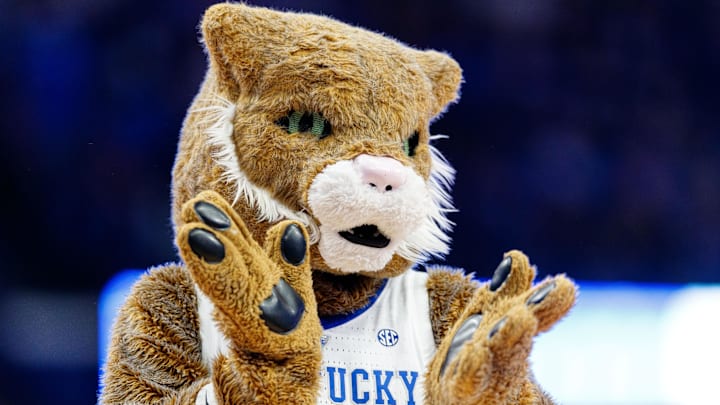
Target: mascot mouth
366	235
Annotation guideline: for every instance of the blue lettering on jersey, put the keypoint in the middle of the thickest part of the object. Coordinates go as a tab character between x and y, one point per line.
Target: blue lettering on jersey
331	375
358	399
409	385
360	378
388	337
382	387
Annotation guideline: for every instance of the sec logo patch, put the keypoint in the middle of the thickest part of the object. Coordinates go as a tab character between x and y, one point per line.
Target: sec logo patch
388	337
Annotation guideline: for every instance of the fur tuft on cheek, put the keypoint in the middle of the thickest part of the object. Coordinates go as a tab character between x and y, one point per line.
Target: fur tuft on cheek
220	135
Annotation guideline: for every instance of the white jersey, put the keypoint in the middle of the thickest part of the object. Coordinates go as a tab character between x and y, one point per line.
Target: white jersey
379	354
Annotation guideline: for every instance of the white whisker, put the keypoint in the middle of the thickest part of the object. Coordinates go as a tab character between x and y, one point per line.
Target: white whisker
432	239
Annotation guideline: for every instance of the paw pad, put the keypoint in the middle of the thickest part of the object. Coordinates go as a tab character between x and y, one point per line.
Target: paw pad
497	328
539	295
501	273
283	309
293	245
466	331
212	215
206	246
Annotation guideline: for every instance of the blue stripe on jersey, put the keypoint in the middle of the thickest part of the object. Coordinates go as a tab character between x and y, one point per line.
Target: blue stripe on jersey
332	321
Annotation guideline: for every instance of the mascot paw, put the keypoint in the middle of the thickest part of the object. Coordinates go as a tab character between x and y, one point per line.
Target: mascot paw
262	295
485	357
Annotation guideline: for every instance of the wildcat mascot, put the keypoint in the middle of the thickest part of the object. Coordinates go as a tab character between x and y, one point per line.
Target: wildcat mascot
305	193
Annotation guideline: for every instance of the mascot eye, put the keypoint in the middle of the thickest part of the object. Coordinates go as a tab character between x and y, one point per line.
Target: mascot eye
314	123
410	144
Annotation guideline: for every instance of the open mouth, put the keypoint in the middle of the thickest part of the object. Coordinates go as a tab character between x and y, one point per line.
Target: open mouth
366	235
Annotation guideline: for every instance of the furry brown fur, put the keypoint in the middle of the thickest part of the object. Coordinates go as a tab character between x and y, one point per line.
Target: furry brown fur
262	178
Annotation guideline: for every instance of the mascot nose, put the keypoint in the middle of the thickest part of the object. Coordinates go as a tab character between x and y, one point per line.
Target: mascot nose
381	173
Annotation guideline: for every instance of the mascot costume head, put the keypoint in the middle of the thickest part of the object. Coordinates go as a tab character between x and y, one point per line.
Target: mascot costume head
306	118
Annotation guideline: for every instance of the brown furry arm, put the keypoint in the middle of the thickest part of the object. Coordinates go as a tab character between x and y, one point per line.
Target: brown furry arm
154	357
450	291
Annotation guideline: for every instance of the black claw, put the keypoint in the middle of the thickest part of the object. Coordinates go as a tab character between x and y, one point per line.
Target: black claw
497	327
283	309
466	331
501	273
293	245
542	292
204	244
212	215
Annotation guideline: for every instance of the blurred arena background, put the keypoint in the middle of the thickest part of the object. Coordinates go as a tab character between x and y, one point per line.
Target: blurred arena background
587	136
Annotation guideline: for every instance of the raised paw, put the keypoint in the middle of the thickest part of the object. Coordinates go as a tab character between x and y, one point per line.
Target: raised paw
262	294
484	359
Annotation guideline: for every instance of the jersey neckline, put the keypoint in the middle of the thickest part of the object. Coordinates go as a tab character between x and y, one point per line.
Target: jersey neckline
332	321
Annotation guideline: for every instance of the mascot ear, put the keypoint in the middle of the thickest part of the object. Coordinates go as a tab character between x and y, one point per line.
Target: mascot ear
231	33
446	77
